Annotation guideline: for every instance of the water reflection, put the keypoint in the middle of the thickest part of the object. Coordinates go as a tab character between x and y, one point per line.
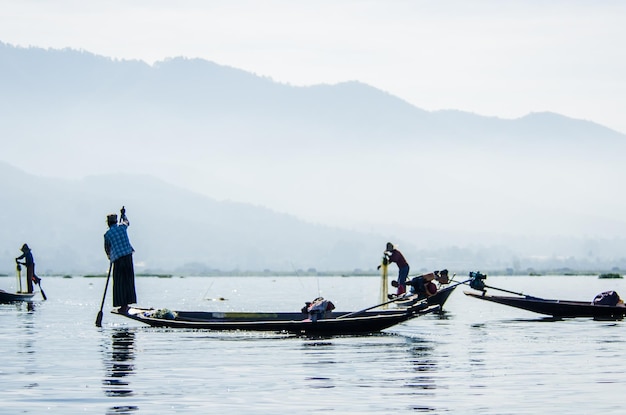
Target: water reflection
29	306
424	365
479	336
443	315
114	410
119	363
27	347
319	353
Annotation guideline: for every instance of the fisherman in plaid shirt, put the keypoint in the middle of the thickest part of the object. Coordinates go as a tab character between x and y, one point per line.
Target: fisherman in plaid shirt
120	252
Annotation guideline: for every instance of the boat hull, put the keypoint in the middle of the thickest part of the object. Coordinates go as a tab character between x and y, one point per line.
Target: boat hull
555	308
296	323
6	297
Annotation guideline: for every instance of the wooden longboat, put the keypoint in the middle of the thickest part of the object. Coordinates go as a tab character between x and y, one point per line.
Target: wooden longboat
6	297
555	308
335	323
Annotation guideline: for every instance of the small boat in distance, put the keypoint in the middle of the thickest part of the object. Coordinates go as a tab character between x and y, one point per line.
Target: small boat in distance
555	308
333	323
6	297
610	275
606	305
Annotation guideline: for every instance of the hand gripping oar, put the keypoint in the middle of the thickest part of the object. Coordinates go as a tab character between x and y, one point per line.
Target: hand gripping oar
99	318
354	313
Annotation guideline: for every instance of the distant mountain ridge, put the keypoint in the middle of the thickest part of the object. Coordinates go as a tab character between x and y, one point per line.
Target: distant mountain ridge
344	155
77	95
203	88
171	229
174	230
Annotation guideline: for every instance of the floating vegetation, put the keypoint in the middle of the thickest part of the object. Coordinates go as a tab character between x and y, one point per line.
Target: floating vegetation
136	275
610	275
154	275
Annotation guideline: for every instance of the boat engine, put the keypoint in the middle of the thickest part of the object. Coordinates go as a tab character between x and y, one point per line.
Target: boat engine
477	281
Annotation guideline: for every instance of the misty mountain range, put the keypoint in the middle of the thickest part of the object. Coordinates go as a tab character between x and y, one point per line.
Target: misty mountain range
63	221
223	169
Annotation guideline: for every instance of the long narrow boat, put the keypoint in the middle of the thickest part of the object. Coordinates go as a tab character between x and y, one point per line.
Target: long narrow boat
335	323
6	297
554	308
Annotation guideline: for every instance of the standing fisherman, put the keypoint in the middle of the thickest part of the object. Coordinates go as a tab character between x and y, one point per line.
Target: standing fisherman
393	255
120	252
29	262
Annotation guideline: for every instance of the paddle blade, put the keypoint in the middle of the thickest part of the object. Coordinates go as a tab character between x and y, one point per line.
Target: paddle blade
99	319
43	294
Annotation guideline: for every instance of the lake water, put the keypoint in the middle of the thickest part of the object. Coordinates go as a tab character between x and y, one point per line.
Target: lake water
476	358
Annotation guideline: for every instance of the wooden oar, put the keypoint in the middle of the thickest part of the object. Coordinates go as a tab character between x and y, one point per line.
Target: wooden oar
99	317
354	313
43	294
457	282
476	283
513	292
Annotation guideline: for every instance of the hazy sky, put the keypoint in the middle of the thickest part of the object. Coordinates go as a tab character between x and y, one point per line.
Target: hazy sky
495	58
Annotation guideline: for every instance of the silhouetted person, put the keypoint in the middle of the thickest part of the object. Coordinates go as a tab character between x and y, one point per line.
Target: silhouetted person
29	263
393	255
120	252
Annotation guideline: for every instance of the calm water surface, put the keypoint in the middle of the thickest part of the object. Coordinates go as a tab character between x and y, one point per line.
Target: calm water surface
477	358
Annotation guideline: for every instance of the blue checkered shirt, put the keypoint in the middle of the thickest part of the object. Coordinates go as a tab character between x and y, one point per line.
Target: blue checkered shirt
116	243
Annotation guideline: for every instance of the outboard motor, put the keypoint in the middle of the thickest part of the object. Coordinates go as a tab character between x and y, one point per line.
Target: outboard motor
477	281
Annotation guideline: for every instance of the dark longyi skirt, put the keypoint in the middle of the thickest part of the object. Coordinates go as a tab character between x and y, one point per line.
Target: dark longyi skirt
124	281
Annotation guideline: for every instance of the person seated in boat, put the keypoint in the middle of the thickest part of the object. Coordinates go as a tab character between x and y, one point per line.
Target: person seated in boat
424	286
29	263
318	308
392	254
